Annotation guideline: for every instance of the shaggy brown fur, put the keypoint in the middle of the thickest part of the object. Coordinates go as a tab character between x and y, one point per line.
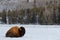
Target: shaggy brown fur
15	32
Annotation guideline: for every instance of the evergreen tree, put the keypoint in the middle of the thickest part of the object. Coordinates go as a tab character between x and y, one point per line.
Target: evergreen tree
4	16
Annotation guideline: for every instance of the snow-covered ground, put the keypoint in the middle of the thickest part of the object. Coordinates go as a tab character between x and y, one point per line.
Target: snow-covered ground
33	32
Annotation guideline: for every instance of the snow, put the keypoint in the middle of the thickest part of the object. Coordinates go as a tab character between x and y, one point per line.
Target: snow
33	32
12	4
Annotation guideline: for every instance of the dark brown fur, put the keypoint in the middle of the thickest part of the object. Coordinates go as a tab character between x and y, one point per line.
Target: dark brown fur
15	32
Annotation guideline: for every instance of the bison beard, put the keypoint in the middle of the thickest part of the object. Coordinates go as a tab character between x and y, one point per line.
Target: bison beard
15	32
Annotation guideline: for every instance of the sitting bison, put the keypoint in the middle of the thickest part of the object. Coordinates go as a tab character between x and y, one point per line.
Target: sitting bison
15	32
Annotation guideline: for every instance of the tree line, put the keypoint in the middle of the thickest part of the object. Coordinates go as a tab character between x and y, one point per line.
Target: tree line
48	14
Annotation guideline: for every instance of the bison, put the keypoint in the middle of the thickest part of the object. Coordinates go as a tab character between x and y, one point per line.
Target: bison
15	31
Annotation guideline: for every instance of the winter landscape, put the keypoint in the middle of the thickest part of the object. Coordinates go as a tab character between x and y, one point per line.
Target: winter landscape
44	12
33	32
40	18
